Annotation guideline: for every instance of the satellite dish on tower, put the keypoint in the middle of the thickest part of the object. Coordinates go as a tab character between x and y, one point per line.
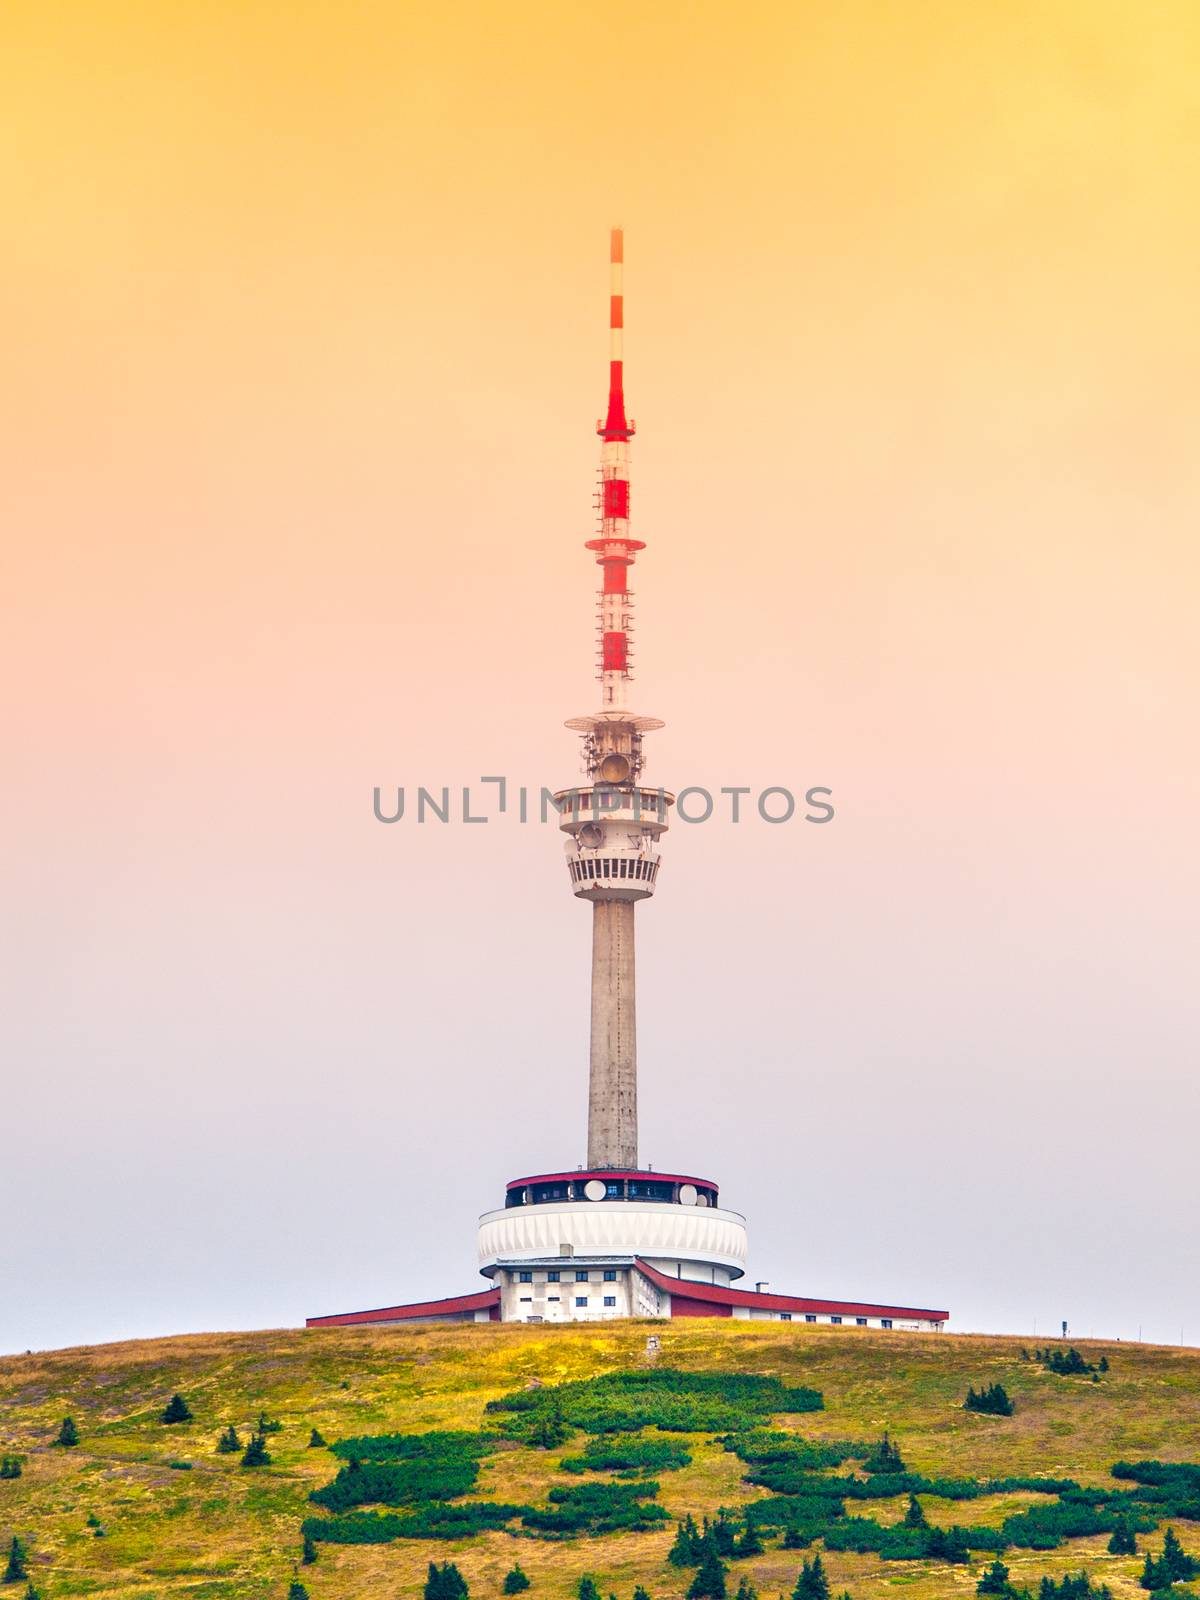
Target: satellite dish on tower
591	835
688	1194
594	1189
614	768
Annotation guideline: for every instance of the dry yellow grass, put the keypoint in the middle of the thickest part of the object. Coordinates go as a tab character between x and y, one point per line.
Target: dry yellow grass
218	1531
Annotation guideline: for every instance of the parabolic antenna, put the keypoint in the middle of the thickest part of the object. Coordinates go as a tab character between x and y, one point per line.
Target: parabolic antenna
688	1194
594	1189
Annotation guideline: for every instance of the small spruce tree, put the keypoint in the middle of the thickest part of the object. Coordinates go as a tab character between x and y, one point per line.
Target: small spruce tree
709	1582
686	1551
746	1590
315	1441
16	1569
812	1584
915	1516
176	1410
748	1543
515	1580
256	1453
229	1443
296	1590
68	1434
308	1553
641	1594
1123	1541
994	1580
587	1589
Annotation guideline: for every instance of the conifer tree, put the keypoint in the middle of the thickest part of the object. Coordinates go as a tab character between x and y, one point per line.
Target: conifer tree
1123	1542
709	1582
812	1584
15	1570
587	1589
256	1453
296	1590
746	1591
748	1542
308	1551
686	1550
641	1594
229	1443
176	1410
315	1441
994	1580
68	1434
915	1516
515	1580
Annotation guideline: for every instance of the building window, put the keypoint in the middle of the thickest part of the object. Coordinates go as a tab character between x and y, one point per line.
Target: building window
785	1316
860	1322
885	1322
525	1299
581	1277
614	1188
809	1317
610	1299
553	1297
609	1275
581	1300
835	1319
525	1277
552	1277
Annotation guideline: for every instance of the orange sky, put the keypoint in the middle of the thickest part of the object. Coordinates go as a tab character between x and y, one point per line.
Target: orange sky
304	344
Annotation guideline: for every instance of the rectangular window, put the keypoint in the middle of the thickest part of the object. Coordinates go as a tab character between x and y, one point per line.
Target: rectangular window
785	1316
580	1277
606	868
861	1321
835	1319
554	1297
808	1317
581	1299
525	1299
885	1322
552	1277
614	1188
609	1275
525	1277
610	1299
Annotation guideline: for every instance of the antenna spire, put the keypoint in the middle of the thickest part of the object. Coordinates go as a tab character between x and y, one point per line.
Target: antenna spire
614	425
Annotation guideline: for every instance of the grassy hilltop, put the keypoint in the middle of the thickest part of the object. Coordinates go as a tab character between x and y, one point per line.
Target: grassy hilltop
176	1518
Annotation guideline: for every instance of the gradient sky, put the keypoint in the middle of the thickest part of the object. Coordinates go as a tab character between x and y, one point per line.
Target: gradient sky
304	344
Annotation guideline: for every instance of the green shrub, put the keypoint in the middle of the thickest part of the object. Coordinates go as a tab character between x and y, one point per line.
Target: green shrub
396	1483
1123	1541
993	1401
10	1466
597	1508
413	1446
679	1402
68	1434
606	1454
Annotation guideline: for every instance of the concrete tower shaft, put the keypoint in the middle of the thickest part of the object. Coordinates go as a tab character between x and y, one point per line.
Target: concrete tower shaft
612	1092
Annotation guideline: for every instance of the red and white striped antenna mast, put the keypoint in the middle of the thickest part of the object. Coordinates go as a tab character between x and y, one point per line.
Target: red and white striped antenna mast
615	549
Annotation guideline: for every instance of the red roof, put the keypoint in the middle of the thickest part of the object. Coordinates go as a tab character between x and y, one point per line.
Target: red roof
717	1295
485	1300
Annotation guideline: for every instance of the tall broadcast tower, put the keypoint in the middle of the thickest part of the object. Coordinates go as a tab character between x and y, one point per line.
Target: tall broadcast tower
612	1238
614	824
